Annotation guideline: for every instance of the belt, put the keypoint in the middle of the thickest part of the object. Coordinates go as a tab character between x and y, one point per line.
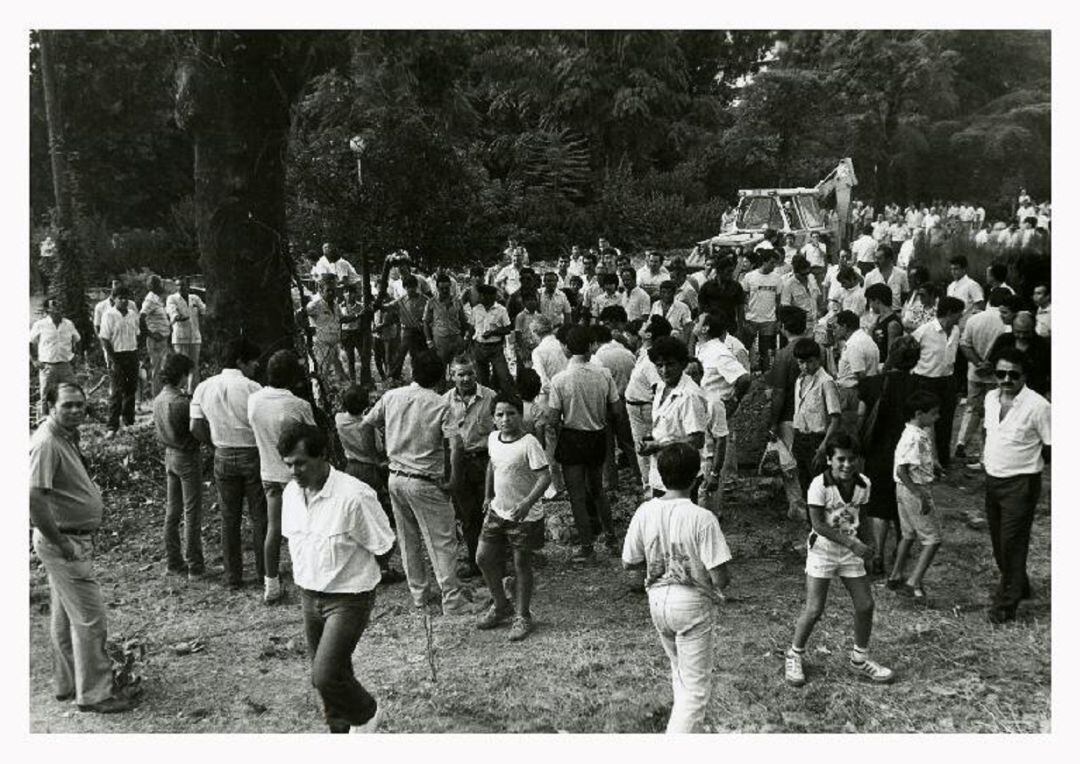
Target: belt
54	363
415	476
476	453
75	531
638	403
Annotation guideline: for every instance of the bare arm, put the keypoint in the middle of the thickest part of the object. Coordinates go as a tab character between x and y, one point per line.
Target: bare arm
543	480
719	576
823	529
200	428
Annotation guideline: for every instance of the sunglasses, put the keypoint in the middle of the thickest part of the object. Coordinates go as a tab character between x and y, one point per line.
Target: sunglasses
1010	374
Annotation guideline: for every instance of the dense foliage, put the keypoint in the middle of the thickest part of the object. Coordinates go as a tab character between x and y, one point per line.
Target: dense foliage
560	136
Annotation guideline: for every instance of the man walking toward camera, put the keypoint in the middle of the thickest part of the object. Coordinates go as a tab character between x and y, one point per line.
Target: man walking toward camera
65	510
53	343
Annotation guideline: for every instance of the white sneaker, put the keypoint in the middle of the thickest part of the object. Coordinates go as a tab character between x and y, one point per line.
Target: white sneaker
371	725
873	671
271	590
793	669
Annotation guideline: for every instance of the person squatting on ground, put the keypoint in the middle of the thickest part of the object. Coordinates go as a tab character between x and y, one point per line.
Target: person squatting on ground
270	410
838	545
219	418
183	469
684	556
517	477
65	510
335	529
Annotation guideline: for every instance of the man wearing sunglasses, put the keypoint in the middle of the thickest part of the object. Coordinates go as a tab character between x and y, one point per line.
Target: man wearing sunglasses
1017	424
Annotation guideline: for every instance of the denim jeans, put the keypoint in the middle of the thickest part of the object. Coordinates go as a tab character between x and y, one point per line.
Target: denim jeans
236	472
423	518
125	383
683	618
589	503
79	624
1010	511
183	491
333	624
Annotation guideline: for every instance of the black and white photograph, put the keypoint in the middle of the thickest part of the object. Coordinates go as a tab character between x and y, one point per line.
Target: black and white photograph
540	379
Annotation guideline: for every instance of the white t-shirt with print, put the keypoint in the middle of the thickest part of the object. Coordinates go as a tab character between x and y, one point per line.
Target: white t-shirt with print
516	465
762	292
840	515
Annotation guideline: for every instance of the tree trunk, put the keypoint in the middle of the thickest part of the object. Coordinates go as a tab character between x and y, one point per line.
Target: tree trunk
67	282
232	100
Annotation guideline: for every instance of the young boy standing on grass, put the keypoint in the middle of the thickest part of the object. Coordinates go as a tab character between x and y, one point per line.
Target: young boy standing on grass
517	477
913	471
685	556
838	546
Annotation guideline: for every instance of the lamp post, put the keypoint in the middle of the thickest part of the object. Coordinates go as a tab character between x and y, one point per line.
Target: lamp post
358	145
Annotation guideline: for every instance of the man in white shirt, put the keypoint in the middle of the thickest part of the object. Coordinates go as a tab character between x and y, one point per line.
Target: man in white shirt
156	327
859	359
219	418
976	339
101	307
762	287
614	357
491	323
964	288
548	359
53	342
185	311
1017	446
651	275
120	337
938	342
888	274
336	529
638	302
552	302
270	410
864	248
334	264
724	379
1041	297
508	279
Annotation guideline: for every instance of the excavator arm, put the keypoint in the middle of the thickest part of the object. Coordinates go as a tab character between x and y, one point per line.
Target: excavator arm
840	181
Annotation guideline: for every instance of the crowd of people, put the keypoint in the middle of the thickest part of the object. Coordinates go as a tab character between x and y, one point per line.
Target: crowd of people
530	384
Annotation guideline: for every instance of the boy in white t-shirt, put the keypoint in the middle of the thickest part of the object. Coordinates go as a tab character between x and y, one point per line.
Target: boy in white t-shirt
517	477
762	287
837	546
913	471
684	554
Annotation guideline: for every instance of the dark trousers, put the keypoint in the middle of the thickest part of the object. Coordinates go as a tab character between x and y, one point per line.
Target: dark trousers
945	389
589	503
1010	510
619	433
183	491
333	624
469	501
413	343
490	359
125	383
803	448
236	472
376	477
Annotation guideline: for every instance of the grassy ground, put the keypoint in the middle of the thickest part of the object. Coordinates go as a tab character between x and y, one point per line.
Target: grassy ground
593	665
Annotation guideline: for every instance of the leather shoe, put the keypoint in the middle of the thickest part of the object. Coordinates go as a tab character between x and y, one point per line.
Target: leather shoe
111	705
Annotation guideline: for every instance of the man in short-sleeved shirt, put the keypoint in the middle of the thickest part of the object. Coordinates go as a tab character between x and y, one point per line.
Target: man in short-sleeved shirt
651	275
679	413
53	339
965	289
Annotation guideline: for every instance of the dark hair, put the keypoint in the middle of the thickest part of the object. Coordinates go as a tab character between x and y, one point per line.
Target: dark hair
671	348
920	402
52	390
355	399
153	281
283	369
792	318
600	333
316	444
562	331
842	440
948	305
440	277
175	367
462	359
477	270
578	340
885	249
121	290
959	260
678	465
1011	355
806	348
847	319
880	292
999	296
1000	272
589	255
428	369
868	229
239	349
667	284
409	281
716	324
608	278
627	269
616	313
799	263
1044	284
487	290
528	384
658	326
510	399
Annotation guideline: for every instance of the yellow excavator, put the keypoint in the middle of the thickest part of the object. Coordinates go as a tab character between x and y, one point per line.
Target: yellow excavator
786	210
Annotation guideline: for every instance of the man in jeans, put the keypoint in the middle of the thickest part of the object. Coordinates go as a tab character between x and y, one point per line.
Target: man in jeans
270	411
65	510
415	418
583	404
219	418
155	323
335	529
120	339
183	469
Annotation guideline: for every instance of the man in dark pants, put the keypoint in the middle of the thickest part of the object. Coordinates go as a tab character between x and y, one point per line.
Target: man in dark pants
491	324
410	307
337	581
470	424
583	405
120	339
219	418
1017	446
938	342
